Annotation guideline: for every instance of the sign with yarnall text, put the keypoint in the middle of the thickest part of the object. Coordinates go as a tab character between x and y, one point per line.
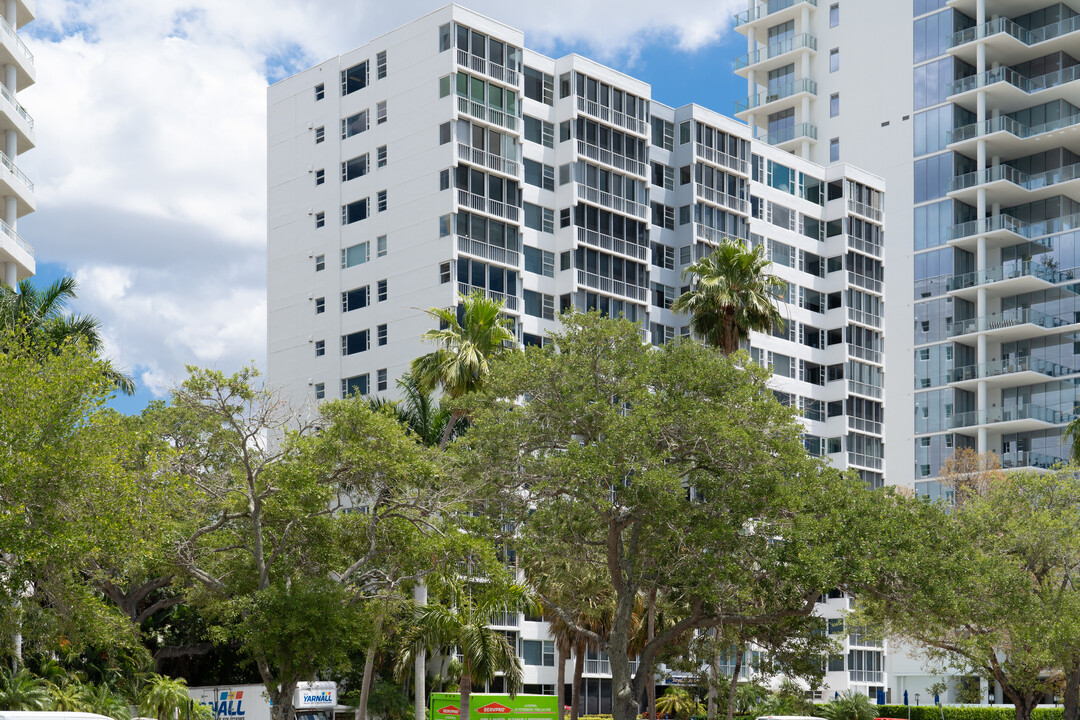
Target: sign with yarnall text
447	706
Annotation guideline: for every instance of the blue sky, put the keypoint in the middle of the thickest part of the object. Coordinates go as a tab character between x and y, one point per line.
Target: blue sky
151	134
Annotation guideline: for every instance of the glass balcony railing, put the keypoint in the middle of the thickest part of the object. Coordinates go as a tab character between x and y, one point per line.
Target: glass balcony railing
1009	367
1009	318
1050	226
1004	123
1003	25
805	40
778	93
802	130
1010	76
1028	459
1007	271
1010	174
992	416
766	9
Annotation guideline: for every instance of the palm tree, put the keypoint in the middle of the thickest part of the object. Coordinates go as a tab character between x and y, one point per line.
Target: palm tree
39	317
732	295
418	411
677	703
466	348
463	623
1072	432
22	690
163	698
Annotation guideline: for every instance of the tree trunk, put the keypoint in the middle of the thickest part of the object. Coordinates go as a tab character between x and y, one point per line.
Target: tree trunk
624	700
420	669
1024	702
712	676
560	679
651	690
281	696
369	669
465	687
579	669
454	417
734	682
1072	694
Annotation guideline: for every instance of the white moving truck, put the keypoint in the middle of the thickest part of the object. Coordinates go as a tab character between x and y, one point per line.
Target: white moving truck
312	700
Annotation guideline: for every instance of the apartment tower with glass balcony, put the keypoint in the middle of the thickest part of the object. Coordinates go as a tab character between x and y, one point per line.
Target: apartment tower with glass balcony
445	158
17	128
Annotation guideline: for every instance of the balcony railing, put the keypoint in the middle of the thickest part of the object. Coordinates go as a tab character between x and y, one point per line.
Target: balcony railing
1004	25
1028	459
491	161
864	209
864	246
510	302
718	157
1007	271
865	676
993	416
615	287
613	244
723	199
862	388
1004	123
599	197
805	40
6	229
1011	77
766	9
619	162
865	353
487	205
597	667
487	114
863	317
866	461
14	170
867	426
10	97
1008	367
1010	174
14	37
864	281
488	252
480	65
779	93
1030	231
1007	319
602	112
777	137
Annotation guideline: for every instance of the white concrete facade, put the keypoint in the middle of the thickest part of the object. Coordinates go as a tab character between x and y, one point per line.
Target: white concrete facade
17	128
549	184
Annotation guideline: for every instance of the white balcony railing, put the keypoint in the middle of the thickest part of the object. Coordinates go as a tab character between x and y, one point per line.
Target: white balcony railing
478	64
489	206
717	157
591	107
488	252
6	229
510	302
599	197
491	161
614	244
723	199
615	287
615	160
491	115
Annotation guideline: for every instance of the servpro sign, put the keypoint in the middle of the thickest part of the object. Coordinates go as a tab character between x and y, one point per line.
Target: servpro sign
447	706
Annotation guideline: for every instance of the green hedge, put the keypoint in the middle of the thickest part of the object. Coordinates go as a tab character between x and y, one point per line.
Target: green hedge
995	712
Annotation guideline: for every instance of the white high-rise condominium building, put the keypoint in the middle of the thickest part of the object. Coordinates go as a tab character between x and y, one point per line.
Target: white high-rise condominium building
17	127
444	158
969	110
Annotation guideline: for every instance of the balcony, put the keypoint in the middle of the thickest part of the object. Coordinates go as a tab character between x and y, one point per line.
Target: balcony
497	72
864	281
615	117
607	157
865	353
1007	137
722	199
998	230
864	246
612	244
1028	459
866	461
722	159
510	302
486	205
13	51
1018	418
775	10
774	55
1009	325
1008	90
1008	41
612	287
13	116
1013	187
866	389
479	111
1012	372
866	676
488	160
612	202
16	250
13	183
866	210
788	137
488	252
864	318
763	101
865	426
1011	278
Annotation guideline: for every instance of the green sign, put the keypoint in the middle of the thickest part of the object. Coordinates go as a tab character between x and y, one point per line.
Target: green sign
447	706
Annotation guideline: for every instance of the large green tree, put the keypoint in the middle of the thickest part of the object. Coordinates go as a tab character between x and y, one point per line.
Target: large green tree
731	295
673	470
466	348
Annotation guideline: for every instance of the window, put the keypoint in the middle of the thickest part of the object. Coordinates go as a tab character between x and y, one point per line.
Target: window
381	290
834	104
663	176
539	132
380	65
355	78
663	134
357	385
444	273
354	124
354	255
663	256
380	112
320	176
444	86
538	652
539	86
320	391
663	215
380	246
684	132
355	211
354	299
539	218
380	379
356	342
444	133
539	261
320	134
834	15
380	201
320	219
380	333
445	38
834	59
354	168
834	150
320	91
444	181
320	263
320	305
539	305
380	156
540	175
663	295
320	348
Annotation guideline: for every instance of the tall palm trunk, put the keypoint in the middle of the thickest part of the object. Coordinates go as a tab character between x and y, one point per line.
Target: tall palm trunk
652	675
454	417
560	678
465	688
420	669
734	682
579	669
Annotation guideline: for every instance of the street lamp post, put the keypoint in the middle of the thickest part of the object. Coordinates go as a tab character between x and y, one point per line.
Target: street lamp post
916	699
